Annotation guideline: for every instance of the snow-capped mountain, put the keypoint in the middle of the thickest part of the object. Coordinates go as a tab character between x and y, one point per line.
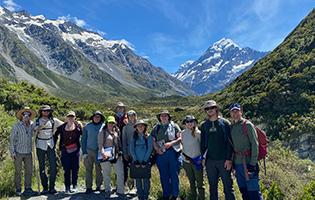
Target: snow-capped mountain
220	64
56	54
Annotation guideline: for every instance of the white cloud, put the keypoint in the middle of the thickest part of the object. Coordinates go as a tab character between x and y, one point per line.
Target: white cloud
11	5
265	10
77	21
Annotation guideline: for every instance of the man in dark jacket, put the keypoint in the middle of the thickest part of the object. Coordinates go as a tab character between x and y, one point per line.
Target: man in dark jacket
217	150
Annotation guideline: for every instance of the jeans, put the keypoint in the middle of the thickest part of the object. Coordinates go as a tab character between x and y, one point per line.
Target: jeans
169	165
70	164
249	188
143	188
51	155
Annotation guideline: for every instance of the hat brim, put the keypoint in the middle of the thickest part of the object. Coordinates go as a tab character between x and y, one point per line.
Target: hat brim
235	108
102	117
159	115
20	112
145	124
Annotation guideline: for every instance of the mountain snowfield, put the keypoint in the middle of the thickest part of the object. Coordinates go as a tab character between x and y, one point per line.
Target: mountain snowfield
219	65
53	51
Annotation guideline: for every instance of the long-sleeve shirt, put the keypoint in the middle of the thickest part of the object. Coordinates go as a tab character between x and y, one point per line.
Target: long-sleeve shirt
242	142
89	137
140	149
127	134
216	139
191	144
109	139
44	131
21	139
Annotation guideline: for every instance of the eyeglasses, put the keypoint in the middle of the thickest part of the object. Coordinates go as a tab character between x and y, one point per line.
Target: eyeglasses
210	108
189	121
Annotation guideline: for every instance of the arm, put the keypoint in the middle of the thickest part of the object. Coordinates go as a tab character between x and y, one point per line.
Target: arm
58	123
229	145
100	140
149	150
12	141
253	139
203	145
132	149
124	141
56	135
84	140
177	140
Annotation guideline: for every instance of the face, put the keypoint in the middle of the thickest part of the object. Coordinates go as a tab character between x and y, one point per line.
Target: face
164	118
120	109
211	111
132	117
140	128
110	125
26	116
236	114
97	118
190	124
46	113
70	118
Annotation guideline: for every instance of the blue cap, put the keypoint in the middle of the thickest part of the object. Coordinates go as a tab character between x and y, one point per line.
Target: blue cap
235	106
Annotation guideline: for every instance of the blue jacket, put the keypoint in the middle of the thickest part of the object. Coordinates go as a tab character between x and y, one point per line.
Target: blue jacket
139	149
89	137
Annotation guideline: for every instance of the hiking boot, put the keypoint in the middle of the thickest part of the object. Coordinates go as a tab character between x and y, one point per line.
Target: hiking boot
44	192
88	191
29	192
18	192
52	191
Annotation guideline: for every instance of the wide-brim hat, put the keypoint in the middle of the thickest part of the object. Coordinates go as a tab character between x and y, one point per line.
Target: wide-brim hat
25	109
140	122
210	103
98	113
46	107
110	119
164	112
71	113
189	118
131	112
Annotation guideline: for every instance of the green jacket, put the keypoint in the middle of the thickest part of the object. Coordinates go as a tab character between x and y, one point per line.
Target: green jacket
243	143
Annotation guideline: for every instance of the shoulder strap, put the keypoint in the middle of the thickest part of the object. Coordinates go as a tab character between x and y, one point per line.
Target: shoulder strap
37	122
244	128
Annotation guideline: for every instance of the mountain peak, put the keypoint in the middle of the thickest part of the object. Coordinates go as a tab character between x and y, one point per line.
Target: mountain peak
224	43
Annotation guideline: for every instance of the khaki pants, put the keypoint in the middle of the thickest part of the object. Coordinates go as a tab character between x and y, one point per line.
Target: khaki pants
89	162
119	170
28	166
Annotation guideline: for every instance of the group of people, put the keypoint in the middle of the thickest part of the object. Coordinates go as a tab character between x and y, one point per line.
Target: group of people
122	141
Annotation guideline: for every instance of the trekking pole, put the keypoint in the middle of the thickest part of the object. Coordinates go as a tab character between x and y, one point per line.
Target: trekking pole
35	166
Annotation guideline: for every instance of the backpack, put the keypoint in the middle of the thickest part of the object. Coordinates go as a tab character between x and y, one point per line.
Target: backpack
262	141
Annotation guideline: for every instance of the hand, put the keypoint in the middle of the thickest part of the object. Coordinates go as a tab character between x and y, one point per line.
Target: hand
228	165
104	157
13	157
84	156
251	168
143	163
159	151
168	145
137	163
126	157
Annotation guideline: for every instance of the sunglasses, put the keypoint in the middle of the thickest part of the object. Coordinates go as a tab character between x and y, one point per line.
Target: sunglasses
210	108
46	111
189	121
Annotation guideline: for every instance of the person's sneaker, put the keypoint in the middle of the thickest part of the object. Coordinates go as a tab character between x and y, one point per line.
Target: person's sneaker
88	191
18	192
52	191
68	191
29	192
75	188
44	192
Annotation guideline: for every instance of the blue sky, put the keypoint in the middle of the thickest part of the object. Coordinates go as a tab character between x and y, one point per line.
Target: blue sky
170	32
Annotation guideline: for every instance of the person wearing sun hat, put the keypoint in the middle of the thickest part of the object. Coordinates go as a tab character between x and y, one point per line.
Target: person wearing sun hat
69	145
166	143
44	128
89	147
109	147
20	148
191	152
217	150
140	148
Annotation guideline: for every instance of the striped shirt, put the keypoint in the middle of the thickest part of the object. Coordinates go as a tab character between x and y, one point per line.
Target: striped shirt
21	139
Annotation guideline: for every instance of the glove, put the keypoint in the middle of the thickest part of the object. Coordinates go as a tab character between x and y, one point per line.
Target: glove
251	168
